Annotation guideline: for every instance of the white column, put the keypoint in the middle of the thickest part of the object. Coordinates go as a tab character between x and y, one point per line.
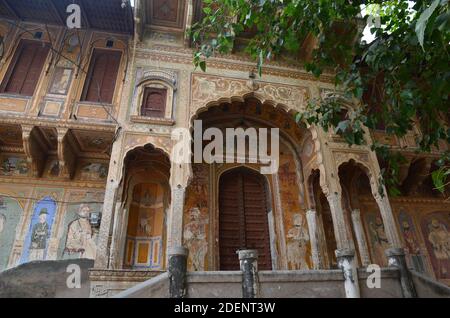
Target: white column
175	226
346	261
102	255
345	252
311	217
360	237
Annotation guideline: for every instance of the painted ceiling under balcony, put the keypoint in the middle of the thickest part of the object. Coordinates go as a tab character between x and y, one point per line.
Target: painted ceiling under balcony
105	15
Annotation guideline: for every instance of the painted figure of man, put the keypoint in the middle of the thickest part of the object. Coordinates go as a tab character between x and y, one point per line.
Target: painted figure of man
379	239
297	244
412	247
439	238
80	236
195	239
39	235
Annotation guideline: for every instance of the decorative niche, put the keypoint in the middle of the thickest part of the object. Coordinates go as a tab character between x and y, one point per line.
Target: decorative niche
154	97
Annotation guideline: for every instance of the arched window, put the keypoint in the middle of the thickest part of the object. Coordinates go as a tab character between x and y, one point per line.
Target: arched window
154	102
154	97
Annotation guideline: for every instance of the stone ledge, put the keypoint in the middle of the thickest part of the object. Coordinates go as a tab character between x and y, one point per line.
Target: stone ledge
151	120
122	275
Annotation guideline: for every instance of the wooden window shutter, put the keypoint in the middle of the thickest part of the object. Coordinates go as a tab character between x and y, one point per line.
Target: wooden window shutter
102	76
26	68
154	102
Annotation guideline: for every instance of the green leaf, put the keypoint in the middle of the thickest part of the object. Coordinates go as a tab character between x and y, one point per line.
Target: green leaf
421	24
202	65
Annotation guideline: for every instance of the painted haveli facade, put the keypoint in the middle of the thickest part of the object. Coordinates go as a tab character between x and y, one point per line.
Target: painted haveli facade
86	117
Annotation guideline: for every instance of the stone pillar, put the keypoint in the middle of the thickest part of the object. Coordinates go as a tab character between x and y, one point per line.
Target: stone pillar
346	262
248	260
360	237
102	255
396	258
388	219
311	217
175	237
177	271
339	225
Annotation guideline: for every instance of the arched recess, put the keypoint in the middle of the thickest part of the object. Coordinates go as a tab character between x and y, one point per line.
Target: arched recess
361	186
141	223
290	238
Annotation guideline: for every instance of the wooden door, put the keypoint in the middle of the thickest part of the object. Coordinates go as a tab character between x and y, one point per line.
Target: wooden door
243	219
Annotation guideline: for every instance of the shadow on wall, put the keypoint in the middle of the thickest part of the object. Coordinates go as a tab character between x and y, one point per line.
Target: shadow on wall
45	279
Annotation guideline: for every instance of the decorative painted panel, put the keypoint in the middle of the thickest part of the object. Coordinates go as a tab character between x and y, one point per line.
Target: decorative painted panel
296	229
377	238
79	238
37	238
196	218
413	251
146	222
10	215
435	229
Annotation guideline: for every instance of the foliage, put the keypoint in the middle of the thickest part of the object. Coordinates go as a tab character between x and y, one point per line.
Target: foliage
402	77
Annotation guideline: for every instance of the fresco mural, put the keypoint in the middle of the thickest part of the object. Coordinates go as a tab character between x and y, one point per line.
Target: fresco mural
296	229
195	238
377	238
297	244
10	214
94	170
79	238
435	229
53	170
14	166
37	238
415	258
195	219
146	223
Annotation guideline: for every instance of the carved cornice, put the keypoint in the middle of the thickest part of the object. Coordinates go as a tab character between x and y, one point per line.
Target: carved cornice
152	121
423	200
180	55
54	182
57	123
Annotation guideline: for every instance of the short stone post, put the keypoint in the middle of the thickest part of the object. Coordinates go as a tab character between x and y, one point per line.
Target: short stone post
248	261
346	262
177	271
396	258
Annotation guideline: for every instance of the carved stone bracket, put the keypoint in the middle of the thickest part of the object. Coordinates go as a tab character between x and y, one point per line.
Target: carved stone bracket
66	154
34	149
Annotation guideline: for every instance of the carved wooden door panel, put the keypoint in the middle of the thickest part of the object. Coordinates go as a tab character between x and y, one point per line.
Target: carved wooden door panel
243	220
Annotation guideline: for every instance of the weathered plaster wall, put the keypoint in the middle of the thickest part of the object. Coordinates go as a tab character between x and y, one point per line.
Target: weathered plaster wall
63	206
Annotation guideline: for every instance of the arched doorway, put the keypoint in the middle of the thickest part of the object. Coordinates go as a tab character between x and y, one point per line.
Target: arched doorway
146	198
243	217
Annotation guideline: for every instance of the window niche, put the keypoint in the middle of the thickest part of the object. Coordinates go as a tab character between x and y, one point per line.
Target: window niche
154	99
